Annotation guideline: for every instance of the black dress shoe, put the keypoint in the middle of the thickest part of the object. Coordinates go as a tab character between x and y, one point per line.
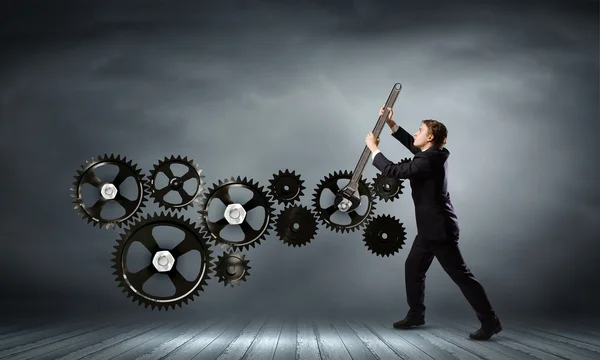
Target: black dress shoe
408	322
486	331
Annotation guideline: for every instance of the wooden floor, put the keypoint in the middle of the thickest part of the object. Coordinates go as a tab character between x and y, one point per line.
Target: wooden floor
289	339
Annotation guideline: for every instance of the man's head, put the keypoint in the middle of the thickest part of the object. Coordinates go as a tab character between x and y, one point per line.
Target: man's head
431	133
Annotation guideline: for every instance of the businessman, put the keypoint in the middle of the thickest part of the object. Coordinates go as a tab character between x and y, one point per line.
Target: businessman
437	223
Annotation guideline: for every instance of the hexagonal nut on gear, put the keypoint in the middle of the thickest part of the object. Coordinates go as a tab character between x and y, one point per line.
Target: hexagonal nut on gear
232	268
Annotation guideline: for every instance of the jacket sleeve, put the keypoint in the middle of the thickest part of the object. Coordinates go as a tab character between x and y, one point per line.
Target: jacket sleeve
406	139
418	167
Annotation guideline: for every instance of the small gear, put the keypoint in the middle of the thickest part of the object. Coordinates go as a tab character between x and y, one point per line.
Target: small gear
286	187
164	261
235	214
296	225
384	235
387	188
176	183
232	268
325	215
109	191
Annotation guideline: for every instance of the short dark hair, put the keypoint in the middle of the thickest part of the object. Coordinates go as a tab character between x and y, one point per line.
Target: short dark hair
439	132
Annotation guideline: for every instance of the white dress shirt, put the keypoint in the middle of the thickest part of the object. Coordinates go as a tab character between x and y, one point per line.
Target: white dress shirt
394	129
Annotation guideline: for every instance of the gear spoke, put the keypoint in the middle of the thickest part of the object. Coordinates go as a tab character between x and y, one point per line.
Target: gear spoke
96	209
191	174
223	195
252	203
146	238
218	226
335	188
166	169
327	213
186	245
181	284
249	232
185	197
354	216
122	175
128	205
163	192
138	279
90	178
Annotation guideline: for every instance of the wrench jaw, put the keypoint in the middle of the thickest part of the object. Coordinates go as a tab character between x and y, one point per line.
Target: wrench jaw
347	199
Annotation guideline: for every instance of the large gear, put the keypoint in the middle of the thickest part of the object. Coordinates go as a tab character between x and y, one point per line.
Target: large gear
325	214
109	191
176	183
296	225
232	268
384	235
235	213
286	187
164	261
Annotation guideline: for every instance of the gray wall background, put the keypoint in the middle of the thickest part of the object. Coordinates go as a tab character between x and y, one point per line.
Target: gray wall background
249	88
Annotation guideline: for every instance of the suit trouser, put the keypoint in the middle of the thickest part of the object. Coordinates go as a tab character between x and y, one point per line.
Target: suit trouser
448	254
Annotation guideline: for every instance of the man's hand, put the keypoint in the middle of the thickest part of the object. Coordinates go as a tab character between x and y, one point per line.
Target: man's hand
372	141
391	123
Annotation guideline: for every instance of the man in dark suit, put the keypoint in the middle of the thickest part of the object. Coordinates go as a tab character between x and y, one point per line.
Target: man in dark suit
437	223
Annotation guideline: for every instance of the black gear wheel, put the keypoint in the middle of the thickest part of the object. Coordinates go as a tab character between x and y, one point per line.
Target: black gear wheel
387	188
232	268
132	283
325	214
286	187
301	234
384	235
260	198
176	183
109	191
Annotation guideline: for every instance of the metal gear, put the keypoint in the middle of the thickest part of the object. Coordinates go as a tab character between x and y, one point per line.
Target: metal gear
232	268
286	187
301	234
164	261
388	188
109	191
235	213
325	214
384	235
176	183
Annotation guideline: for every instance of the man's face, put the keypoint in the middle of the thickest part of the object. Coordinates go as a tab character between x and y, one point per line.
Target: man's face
422	136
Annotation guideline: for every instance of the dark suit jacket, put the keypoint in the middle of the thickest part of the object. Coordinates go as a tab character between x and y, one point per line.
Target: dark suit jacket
436	219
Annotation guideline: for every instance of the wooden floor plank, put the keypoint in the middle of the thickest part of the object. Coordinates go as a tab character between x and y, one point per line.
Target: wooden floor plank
287	342
153	343
12	351
331	346
66	346
240	345
409	342
563	348
355	346
564	331
428	334
461	329
189	349
265	343
186	333
113	341
218	345
308	348
130	344
476	347
40	334
507	340
559	338
375	343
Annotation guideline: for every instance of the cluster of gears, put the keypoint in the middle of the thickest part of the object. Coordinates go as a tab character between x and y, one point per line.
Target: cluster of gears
295	225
